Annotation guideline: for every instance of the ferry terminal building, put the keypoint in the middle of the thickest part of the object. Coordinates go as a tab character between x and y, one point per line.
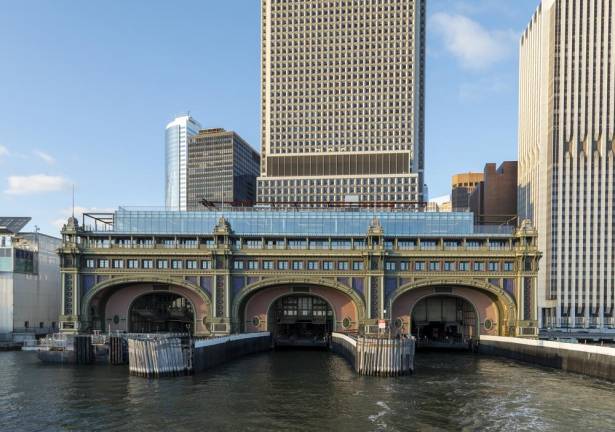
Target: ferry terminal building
298	273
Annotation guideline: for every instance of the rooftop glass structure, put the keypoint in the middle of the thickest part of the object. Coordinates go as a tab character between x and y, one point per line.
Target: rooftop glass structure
306	223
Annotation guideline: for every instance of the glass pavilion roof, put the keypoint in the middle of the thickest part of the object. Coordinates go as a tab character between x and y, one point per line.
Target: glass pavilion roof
304	222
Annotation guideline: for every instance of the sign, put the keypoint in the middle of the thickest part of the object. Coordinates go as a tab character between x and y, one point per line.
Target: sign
382	324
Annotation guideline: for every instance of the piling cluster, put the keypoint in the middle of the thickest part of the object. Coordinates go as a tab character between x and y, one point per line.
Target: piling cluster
384	357
158	356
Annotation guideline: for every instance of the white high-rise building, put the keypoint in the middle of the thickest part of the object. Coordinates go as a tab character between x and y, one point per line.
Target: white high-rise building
342	91
566	163
176	151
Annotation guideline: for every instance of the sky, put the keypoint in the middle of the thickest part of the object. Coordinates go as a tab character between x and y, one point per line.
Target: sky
87	87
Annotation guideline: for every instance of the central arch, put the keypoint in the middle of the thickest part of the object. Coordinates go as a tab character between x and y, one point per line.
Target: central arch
301	319
253	302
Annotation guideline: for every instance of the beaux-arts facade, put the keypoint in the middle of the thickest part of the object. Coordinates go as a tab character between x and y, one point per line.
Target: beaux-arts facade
228	268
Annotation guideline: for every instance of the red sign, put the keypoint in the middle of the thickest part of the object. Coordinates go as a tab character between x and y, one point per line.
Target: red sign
382	324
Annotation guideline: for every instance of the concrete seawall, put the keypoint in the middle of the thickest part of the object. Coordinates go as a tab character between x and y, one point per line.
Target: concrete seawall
213	352
589	360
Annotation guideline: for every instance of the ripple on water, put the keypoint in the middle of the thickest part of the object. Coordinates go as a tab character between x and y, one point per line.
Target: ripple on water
304	391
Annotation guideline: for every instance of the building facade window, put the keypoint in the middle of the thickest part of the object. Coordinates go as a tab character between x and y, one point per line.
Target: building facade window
357	265
312	265
132	263
162	264
434	266
282	265
103	263
297	265
419	266
147	264
177	264
191	264
449	266
238	265
117	264
206	264
253	265
327	265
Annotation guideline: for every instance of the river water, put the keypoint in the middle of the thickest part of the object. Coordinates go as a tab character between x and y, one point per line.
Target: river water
303	390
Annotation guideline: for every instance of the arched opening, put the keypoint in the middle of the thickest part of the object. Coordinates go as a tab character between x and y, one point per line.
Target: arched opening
301	320
444	321
162	312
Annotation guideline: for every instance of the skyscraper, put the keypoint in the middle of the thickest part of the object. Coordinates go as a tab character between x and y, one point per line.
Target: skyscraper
222	167
176	153
342	101
566	142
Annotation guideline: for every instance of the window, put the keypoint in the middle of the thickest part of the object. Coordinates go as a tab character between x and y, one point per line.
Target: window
253	265
342	265
509	266
238	265
464	266
389	265
103	263
133	263
449	266
403	266
147	264
357	265
206	264
327	265
117	264
90	263
419	266
191	264
312	265
177	264
282	265
268	265
434	266
494	266
297	265
162	264
479	266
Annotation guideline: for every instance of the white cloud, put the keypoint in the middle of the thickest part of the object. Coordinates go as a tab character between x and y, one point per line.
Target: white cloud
45	157
79	211
475	46
3	151
39	183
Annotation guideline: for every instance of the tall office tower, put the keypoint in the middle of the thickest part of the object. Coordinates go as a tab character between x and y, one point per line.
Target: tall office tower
222	167
176	149
566	143
342	101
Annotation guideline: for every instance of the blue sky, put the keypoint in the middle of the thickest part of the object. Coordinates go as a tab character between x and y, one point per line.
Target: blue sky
86	89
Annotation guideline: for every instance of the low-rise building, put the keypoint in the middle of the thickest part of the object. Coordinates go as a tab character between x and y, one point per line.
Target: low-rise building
30	290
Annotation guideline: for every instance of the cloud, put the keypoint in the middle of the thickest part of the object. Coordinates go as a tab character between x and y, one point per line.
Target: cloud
39	183
3	151
473	45
45	157
79	211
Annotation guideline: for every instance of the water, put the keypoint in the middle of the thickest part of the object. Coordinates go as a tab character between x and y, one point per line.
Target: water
303	390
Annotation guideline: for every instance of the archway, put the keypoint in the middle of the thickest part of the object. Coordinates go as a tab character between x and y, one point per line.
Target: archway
444	321
161	312
251	305
301	320
107	306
